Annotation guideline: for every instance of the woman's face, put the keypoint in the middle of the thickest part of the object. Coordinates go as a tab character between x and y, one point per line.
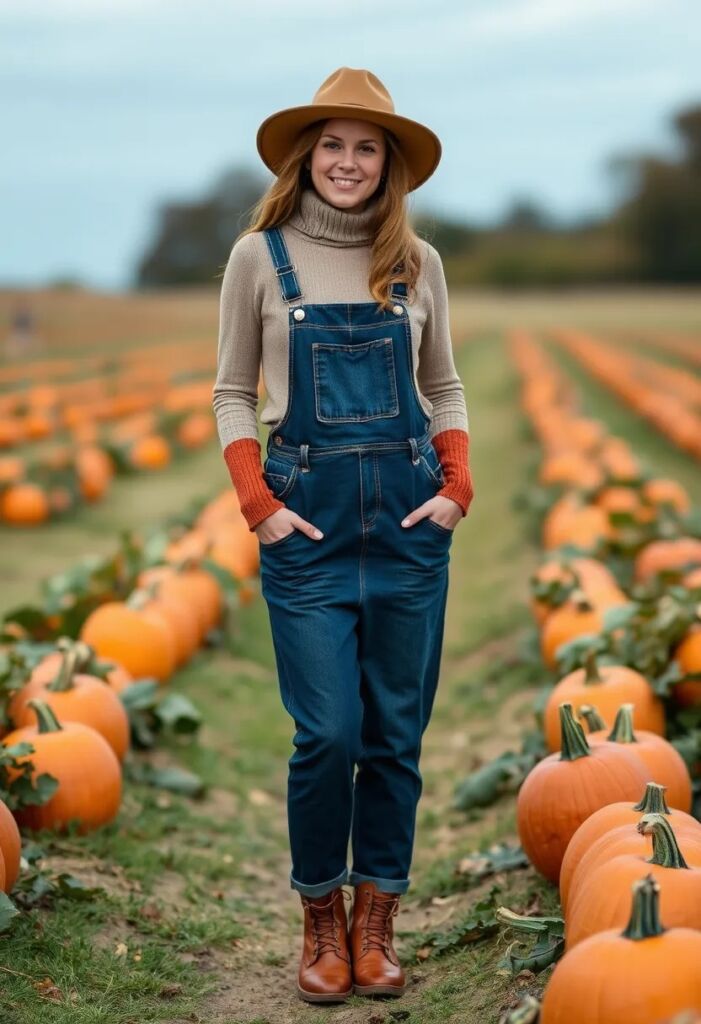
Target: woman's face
348	149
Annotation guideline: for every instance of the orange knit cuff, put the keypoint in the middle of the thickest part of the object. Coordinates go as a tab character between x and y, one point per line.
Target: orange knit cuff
257	501
452	450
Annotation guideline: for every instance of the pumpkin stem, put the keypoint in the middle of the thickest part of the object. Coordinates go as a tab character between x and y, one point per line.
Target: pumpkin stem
138	599
46	719
644	920
592	717
665	850
653	801
591	669
622	731
574	742
64	679
581	601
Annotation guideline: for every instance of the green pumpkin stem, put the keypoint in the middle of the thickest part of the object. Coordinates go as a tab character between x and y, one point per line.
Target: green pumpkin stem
46	719
592	676
64	679
592	717
653	801
665	850
622	731
574	742
644	920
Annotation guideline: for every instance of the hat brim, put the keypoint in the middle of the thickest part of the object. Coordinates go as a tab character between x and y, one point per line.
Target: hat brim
277	133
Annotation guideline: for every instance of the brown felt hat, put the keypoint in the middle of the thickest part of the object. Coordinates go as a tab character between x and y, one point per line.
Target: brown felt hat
351	92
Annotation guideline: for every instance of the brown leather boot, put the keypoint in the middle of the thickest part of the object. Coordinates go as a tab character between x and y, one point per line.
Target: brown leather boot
325	969
376	967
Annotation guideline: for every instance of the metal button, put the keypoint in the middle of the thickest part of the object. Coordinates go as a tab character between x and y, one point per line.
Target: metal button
298	314
277	439
398	310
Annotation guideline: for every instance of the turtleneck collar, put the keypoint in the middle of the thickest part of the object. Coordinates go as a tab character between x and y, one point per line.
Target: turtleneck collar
329	225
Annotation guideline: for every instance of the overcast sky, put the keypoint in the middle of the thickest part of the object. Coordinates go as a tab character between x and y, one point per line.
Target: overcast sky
109	106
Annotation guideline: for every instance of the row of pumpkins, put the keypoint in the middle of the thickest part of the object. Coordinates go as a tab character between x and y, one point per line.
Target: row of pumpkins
669	398
75	721
606	814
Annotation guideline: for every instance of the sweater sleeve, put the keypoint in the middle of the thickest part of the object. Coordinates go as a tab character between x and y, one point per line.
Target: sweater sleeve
436	375
235	394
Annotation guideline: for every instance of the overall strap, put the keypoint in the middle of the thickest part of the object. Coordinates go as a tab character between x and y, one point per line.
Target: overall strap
289	286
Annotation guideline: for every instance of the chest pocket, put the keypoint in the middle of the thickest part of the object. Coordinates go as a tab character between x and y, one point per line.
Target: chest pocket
353	383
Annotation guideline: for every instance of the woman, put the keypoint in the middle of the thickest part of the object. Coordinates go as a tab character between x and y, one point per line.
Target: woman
365	477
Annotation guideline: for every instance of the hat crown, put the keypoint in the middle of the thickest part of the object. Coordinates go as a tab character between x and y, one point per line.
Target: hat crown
355	87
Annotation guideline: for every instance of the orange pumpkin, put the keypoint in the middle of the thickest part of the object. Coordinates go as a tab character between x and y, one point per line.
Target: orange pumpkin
665	763
88	773
576	617
642	972
660	556
613	816
600	899
608	686
140	639
687	693
563	789
24	504
10	848
197	586
75	697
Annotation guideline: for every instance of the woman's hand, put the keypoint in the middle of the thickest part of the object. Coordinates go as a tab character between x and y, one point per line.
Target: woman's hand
277	526
441	510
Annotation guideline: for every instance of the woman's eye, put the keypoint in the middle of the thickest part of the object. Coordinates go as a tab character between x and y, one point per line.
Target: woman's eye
370	149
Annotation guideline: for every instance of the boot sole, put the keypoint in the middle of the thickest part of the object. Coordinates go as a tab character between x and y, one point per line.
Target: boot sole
324	997
379	990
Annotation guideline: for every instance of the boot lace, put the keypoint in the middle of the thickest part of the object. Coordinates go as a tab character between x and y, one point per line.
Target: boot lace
324	924
382	910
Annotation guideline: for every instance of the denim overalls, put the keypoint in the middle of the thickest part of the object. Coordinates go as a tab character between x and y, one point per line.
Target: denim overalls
356	617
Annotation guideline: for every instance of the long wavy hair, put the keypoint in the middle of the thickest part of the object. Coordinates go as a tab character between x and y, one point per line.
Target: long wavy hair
394	241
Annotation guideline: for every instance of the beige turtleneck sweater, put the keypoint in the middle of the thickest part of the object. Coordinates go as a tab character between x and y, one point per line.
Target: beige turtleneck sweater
330	249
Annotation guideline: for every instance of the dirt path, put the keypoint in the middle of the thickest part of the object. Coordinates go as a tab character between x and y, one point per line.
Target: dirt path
257	979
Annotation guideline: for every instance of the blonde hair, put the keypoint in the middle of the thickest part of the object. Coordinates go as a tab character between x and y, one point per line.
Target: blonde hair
394	241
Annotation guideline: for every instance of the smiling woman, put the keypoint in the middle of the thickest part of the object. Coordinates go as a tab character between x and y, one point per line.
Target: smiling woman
346	163
346	308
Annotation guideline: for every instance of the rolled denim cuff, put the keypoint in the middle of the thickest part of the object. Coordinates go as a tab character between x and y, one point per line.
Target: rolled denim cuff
383	884
321	888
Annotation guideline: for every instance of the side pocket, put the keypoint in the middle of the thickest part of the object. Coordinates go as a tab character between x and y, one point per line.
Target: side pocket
281	484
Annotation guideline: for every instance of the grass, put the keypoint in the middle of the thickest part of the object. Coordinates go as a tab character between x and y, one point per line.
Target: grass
196	920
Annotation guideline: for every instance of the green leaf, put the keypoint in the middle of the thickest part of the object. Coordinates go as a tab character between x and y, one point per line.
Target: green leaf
74	888
178	713
8	911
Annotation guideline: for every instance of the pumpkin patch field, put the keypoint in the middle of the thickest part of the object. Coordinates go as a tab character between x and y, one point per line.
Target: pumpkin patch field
144	864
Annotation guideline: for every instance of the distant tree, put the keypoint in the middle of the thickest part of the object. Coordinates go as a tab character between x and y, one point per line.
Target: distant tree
193	239
524	215
662	214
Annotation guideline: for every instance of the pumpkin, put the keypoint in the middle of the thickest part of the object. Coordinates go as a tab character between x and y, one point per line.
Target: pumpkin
612	816
140	639
87	769
10	848
687	693
563	789
642	973
665	763
622	840
661	556
571	521
600	899
150	452
195	585
77	697
179	614
24	504
578	616
607	686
